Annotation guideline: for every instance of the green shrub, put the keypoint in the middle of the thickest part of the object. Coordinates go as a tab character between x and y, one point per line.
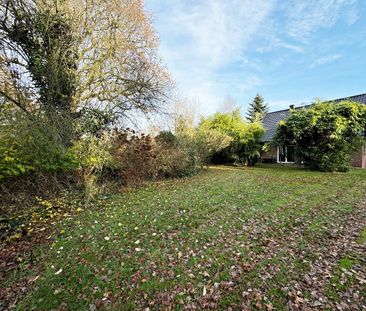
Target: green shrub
166	138
244	144
208	142
94	155
10	165
174	161
140	157
325	134
31	145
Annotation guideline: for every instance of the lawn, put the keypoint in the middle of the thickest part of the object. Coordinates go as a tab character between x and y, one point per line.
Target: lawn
270	238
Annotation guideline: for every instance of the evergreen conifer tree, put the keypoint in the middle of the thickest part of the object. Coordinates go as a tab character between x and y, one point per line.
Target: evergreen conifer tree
257	109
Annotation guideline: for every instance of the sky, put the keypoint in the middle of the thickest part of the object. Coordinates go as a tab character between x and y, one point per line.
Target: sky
289	51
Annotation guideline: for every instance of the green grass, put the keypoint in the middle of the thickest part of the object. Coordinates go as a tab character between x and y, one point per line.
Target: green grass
341	281
164	243
362	238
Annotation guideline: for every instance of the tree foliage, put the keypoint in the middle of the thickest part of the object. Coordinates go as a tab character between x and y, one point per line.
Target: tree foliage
70	68
39	52
325	134
69	55
209	141
257	109
244	145
202	140
119	68
27	146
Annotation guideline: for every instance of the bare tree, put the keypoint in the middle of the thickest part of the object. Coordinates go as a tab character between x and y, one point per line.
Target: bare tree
183	110
229	105
119	68
69	55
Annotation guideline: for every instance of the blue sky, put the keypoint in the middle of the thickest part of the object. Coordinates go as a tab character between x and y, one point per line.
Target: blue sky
291	52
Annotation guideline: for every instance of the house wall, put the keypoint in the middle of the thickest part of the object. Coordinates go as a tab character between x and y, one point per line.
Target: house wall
359	158
269	156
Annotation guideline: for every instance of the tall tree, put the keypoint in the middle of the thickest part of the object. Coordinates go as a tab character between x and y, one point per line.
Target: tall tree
38	50
68	55
257	109
228	105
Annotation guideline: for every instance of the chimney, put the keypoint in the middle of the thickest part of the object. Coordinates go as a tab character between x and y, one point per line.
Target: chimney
292	106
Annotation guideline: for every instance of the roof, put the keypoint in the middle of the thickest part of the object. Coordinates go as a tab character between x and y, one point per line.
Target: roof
272	119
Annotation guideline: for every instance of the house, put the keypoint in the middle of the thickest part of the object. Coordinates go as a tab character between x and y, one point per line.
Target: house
286	154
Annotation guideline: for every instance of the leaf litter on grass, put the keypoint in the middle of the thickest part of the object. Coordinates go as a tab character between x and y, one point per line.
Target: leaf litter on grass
228	239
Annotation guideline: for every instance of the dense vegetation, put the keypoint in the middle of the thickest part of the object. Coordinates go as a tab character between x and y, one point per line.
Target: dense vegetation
78	232
325	134
89	68
245	137
72	75
69	71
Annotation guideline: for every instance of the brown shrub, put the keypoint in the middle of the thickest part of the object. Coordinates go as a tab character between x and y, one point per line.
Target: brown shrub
141	157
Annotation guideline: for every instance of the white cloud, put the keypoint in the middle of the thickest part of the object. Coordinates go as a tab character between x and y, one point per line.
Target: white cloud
352	16
217	31
219	47
248	84
307	16
203	37
276	43
289	46
325	60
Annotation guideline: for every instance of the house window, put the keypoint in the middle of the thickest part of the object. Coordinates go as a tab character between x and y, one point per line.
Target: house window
285	154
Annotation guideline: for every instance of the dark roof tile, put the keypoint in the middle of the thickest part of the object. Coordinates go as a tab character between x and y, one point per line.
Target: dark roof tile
272	119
